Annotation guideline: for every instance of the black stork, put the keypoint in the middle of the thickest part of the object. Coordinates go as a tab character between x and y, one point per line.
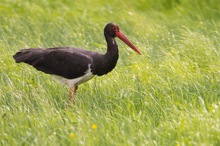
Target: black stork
73	66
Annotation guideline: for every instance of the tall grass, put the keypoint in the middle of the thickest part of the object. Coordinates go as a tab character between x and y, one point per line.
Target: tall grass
168	96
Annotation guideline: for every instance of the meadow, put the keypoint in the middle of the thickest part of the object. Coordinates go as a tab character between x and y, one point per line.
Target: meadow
170	95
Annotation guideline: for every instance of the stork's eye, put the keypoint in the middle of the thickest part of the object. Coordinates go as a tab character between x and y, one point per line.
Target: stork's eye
115	28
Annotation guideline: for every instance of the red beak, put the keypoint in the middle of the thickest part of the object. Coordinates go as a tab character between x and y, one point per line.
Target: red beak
121	36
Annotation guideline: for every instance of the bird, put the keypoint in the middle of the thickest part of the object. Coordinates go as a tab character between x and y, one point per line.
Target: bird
73	66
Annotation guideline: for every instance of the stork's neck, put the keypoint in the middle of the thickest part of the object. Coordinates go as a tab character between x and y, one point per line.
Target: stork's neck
112	47
105	63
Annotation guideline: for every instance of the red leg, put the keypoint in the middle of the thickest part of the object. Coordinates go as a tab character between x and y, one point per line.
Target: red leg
75	90
72	95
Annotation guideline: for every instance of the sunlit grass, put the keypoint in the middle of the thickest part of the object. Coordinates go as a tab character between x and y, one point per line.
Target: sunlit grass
167	96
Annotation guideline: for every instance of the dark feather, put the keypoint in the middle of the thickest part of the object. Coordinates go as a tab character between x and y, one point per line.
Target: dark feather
66	62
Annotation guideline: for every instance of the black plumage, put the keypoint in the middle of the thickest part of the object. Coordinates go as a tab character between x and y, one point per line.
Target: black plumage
75	64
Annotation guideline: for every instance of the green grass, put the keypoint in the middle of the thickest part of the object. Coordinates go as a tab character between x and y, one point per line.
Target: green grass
168	96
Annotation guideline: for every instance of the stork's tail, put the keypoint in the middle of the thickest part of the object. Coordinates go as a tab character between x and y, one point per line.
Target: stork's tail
27	55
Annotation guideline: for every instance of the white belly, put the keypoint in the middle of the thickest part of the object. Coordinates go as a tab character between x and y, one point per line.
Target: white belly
74	82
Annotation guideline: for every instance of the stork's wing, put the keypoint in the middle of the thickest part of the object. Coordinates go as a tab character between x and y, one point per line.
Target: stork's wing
69	63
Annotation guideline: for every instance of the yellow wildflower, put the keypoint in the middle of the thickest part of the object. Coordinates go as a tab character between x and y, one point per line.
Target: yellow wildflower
72	135
94	126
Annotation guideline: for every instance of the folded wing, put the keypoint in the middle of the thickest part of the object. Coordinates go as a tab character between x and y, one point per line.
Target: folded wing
68	63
